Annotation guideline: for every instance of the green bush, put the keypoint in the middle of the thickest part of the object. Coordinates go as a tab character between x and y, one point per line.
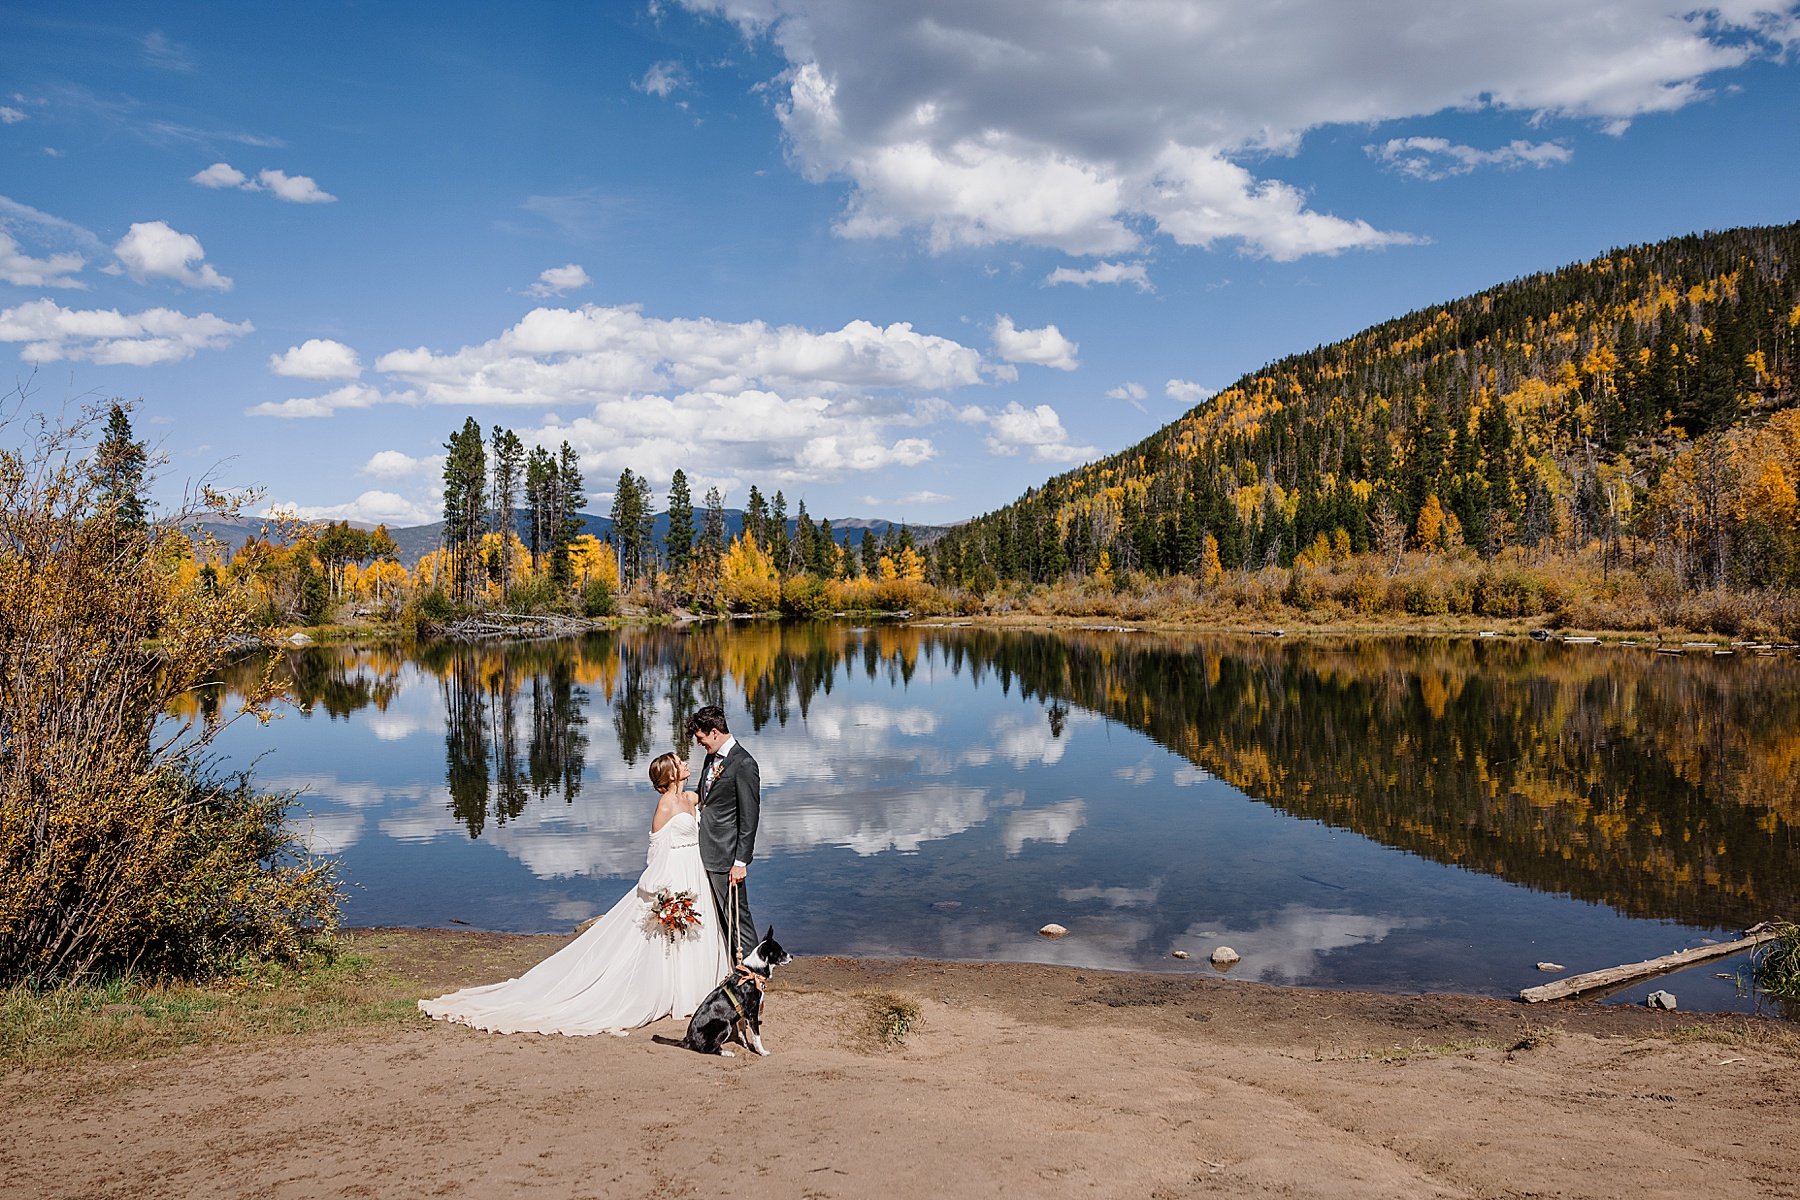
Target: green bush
598	600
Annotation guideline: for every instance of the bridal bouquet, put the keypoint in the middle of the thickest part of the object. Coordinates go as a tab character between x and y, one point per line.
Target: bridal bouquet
672	914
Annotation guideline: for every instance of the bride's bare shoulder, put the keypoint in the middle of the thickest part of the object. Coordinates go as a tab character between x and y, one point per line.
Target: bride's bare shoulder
667	805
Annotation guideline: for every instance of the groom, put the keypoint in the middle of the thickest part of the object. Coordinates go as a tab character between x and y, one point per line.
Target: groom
730	797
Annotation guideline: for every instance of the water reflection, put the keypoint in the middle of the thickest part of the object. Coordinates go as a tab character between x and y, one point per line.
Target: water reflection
945	791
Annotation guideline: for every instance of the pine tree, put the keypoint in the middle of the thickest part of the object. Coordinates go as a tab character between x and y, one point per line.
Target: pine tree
712	529
543	495
119	470
465	482
509	463
627	511
569	500
678	542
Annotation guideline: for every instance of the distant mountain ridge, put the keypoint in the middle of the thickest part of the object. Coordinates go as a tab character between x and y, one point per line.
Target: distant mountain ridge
413	542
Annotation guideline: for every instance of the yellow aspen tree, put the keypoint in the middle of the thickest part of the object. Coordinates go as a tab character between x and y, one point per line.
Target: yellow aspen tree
1103	572
1211	570
1429	531
911	565
592	559
748	576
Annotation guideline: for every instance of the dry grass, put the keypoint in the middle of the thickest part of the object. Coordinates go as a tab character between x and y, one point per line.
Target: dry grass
884	1019
130	1018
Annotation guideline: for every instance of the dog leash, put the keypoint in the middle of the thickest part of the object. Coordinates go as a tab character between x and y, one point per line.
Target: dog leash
737	954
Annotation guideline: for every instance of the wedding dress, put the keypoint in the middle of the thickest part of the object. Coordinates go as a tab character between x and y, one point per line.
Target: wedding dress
620	973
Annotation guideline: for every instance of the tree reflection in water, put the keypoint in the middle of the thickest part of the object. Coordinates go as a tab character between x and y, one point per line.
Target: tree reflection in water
1665	787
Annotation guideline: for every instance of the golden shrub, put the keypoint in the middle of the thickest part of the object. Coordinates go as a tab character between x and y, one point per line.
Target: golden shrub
116	852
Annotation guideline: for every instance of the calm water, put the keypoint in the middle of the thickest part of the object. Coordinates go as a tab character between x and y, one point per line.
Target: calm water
1402	815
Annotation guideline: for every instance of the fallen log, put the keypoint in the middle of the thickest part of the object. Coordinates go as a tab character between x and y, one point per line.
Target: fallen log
1574	985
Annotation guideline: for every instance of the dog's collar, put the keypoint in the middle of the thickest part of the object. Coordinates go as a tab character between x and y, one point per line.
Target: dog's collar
759	978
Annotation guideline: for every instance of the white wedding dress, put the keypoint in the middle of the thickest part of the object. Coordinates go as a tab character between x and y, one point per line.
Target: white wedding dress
620	973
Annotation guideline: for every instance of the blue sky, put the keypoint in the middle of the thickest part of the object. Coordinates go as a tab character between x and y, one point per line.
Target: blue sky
901	260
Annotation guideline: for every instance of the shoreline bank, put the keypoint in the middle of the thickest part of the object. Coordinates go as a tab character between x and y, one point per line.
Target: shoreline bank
1018	1078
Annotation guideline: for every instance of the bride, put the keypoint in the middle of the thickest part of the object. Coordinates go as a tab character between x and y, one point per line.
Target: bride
624	971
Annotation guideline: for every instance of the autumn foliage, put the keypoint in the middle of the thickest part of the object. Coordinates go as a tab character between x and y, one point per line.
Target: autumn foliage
117	850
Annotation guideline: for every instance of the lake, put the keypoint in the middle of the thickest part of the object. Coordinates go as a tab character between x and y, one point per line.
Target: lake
1392	814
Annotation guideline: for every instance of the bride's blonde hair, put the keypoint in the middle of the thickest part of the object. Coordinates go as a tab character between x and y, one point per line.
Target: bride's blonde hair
663	770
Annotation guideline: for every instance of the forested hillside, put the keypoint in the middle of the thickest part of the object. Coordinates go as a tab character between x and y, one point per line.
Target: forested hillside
1642	402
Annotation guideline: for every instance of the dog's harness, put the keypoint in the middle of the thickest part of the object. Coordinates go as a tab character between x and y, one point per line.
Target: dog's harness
727	986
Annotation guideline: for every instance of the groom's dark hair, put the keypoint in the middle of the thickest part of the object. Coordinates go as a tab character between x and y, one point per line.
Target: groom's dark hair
710	719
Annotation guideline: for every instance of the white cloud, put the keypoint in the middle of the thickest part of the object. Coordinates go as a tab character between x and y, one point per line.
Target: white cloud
1103	272
662	78
1088	127
21	270
317	358
1439	158
46	229
1039	430
10	115
219	175
1131	393
555	281
351	395
727	402
52	333
153	250
1045	347
295	189
164	54
393	464
1187	391
370	508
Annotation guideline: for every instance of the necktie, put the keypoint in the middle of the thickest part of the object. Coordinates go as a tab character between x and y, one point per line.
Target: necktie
706	773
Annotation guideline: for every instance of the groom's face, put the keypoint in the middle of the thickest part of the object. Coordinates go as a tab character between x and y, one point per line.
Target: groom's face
710	739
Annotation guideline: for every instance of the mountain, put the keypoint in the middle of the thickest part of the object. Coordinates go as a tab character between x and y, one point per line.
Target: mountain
413	542
1567	406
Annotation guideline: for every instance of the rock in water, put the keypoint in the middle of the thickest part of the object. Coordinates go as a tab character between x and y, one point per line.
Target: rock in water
1053	930
1225	956
1665	1000
1178	954
1550	966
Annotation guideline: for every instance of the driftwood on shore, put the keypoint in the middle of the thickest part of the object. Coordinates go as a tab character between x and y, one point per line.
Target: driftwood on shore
1574	985
510	625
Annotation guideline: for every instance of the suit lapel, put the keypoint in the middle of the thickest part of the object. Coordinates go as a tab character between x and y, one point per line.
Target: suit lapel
720	770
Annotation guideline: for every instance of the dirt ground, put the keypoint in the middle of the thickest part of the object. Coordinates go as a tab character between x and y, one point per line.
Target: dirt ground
1016	1080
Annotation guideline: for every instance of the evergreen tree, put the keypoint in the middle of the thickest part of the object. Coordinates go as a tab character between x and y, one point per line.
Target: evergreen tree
756	516
569	501
627	519
465	514
543	497
509	463
712	530
119	464
678	542
777	535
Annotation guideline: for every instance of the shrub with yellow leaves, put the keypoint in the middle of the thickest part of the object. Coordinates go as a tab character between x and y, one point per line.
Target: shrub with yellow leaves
117	850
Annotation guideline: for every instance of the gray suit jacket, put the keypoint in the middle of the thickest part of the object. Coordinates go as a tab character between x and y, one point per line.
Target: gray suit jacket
729	811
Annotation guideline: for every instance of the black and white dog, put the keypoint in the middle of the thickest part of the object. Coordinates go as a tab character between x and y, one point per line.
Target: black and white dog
735	1006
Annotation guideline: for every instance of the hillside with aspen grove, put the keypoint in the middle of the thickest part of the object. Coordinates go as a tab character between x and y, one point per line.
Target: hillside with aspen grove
1636	411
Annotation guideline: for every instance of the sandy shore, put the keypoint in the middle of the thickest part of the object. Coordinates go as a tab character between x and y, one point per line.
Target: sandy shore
1017	1081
